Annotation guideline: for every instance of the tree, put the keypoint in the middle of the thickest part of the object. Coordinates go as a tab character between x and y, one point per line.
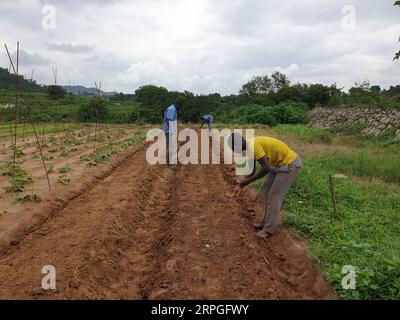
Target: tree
291	112
94	111
265	84
317	94
152	96
56	92
279	81
254	113
257	85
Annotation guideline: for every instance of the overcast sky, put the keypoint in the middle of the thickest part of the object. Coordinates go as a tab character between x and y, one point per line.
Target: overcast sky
203	46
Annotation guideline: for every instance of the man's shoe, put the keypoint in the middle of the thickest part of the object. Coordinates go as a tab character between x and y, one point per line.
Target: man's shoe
264	234
258	226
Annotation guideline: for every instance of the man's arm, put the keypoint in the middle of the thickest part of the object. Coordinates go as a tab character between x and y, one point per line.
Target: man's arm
254	170
265	168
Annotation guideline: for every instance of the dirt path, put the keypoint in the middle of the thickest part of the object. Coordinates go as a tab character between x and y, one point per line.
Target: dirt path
155	233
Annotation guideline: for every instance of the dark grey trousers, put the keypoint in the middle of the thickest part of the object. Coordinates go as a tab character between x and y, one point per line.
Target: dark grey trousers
273	192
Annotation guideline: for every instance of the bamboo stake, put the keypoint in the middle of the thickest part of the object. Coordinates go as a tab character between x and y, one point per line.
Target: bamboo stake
37	141
16	101
333	194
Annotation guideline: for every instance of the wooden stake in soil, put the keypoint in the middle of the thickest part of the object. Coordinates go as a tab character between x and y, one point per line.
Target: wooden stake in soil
333	194
16	101
38	144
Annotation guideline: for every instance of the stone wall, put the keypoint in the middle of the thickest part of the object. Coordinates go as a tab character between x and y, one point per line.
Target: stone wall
376	120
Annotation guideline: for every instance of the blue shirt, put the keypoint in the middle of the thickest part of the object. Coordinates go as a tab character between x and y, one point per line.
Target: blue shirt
207	118
172	114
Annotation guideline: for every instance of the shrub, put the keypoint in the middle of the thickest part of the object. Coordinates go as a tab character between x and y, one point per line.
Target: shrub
349	129
291	113
95	110
254	113
56	92
146	114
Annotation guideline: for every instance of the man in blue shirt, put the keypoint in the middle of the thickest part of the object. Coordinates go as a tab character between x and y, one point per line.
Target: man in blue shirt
207	119
170	124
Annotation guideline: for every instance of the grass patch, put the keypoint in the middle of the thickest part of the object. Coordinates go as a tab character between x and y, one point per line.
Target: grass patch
65	169
382	165
365	234
305	134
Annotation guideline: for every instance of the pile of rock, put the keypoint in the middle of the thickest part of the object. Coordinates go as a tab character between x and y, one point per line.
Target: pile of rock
376	120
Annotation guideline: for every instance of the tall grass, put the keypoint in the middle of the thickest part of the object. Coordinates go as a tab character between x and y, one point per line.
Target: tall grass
304	133
365	234
383	165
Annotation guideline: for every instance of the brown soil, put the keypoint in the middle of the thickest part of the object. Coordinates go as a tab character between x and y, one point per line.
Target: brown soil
150	232
14	217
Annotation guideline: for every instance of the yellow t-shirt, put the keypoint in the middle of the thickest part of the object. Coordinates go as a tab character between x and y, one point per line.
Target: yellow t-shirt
277	152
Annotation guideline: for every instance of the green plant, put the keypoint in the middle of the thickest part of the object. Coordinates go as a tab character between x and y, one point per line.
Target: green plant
354	128
256	114
64	179
27	198
50	169
94	111
35	155
19	180
19	153
291	113
65	169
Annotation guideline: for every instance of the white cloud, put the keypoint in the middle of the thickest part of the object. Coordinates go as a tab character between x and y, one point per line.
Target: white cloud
203	45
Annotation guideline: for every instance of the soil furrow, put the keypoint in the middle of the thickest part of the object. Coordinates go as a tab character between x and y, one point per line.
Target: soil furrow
152	232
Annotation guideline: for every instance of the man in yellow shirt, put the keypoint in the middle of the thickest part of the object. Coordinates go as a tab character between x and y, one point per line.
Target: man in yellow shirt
280	165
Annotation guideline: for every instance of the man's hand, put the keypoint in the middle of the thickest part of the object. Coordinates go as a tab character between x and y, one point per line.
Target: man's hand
243	183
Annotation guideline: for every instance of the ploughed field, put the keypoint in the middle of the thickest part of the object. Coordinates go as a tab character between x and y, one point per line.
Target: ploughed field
115	227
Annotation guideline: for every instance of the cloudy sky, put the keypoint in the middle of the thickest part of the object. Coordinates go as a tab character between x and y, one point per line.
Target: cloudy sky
204	46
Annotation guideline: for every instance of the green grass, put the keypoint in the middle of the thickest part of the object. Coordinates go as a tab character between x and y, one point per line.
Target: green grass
28	129
366	232
367	164
304	134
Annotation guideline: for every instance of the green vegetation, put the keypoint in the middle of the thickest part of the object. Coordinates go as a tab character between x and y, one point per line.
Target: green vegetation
7	82
19	178
94	111
366	232
366	164
27	198
65	169
305	134
56	92
350	129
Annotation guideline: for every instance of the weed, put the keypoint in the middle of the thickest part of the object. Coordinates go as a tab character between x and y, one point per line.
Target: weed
64	179
350	129
19	153
27	198
50	169
65	169
35	155
305	134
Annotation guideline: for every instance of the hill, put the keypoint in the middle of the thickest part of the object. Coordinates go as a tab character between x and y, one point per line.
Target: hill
7	82
84	91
